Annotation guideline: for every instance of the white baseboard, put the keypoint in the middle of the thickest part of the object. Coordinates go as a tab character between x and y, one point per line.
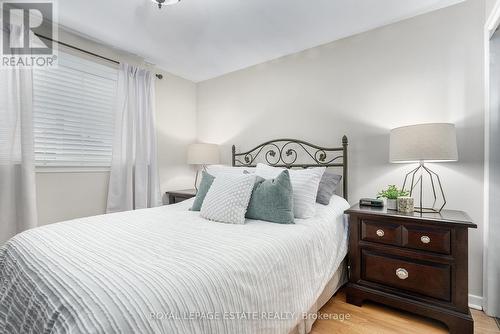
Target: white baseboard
476	302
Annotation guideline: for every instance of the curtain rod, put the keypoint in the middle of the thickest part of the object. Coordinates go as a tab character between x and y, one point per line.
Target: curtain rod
159	76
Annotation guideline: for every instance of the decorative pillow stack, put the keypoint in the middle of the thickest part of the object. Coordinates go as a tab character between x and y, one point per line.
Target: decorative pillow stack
224	198
264	193
305	184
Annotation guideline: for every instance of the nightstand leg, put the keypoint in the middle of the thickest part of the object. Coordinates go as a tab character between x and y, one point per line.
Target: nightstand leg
353	298
461	326
457	323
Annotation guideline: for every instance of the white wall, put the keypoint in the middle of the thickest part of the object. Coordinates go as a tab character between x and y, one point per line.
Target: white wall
489	4
176	128
68	195
426	69
65	196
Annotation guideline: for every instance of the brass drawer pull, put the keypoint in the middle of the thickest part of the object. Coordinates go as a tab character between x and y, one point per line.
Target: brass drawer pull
425	239
402	273
380	233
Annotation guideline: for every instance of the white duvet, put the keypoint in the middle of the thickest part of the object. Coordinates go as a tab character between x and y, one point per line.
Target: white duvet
166	270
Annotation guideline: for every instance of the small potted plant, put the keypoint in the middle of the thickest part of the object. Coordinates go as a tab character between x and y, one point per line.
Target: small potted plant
391	195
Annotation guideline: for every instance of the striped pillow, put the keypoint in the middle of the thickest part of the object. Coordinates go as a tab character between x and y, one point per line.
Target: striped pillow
220	170
305	183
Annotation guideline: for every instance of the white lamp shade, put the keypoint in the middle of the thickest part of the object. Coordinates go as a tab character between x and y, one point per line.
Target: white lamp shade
424	142
203	154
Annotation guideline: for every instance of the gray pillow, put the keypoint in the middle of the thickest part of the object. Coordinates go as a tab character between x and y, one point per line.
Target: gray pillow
272	200
327	187
205	184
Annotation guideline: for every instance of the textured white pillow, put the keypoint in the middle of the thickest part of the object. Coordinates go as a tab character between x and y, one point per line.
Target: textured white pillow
219	170
305	183
228	198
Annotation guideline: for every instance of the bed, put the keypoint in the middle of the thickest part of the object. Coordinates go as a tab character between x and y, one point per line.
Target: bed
167	270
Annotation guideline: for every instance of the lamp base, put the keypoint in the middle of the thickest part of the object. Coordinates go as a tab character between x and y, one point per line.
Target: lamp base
427	210
417	177
196	180
196	177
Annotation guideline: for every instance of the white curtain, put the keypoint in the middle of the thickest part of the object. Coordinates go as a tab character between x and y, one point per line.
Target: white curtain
134	182
491	263
17	175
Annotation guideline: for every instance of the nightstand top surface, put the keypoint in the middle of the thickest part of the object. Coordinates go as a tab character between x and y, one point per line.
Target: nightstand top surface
182	192
445	216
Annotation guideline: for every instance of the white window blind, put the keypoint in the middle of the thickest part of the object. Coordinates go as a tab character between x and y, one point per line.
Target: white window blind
73	113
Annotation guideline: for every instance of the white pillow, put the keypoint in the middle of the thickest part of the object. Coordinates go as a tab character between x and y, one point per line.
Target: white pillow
228	198
305	183
218	170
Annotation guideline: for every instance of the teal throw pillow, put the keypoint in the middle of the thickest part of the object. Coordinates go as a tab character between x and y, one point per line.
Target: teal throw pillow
272	200
205	184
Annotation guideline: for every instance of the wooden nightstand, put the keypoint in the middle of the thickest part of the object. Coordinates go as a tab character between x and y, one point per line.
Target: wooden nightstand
176	196
414	262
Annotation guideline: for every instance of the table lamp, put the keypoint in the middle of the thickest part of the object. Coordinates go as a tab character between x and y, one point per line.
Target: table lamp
433	142
202	154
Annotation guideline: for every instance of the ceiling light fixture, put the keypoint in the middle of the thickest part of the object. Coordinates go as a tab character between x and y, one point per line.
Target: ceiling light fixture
160	3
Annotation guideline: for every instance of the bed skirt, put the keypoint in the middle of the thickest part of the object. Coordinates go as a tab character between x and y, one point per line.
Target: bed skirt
335	283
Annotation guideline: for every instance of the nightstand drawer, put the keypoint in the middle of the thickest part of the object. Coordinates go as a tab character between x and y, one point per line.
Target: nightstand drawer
384	233
427	238
429	279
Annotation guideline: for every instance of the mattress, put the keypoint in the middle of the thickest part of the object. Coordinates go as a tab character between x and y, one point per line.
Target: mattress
167	270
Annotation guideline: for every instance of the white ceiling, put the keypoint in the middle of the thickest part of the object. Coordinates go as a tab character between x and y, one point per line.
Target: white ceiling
202	39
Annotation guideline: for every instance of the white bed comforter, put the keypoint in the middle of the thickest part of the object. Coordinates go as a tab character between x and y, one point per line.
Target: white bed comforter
166	270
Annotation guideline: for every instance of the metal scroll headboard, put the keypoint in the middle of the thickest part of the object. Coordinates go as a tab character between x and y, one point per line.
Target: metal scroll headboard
290	153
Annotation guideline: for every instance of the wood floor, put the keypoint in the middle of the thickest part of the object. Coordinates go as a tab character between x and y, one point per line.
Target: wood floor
373	319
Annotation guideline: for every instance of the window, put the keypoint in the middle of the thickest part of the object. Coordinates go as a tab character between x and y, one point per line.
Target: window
73	113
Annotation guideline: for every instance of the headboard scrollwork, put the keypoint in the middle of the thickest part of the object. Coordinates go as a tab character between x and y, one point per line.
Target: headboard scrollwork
294	153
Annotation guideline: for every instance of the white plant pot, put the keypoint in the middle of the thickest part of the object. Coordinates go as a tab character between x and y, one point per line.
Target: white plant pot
392	204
